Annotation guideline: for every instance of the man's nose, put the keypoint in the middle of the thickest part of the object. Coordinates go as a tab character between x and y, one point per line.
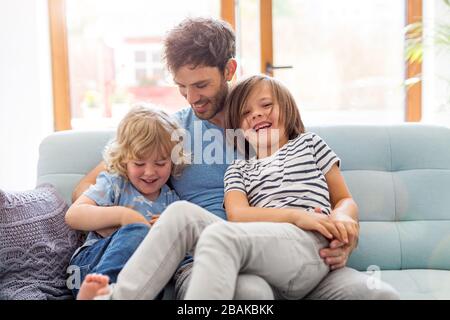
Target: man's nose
192	96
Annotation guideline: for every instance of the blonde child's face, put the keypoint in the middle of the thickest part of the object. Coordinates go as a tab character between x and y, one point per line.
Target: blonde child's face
261	121
150	174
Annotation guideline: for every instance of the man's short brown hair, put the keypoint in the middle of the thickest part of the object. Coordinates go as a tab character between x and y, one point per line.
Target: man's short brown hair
200	42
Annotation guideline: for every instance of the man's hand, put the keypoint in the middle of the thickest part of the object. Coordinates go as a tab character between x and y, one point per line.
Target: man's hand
336	255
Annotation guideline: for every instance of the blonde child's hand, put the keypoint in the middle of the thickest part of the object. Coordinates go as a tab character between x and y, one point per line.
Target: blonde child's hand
129	216
154	219
316	222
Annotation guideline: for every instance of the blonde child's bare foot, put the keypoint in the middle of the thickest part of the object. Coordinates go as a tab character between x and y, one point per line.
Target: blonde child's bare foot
93	286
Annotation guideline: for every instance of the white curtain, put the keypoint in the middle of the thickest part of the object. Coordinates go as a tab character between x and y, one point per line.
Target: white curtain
26	107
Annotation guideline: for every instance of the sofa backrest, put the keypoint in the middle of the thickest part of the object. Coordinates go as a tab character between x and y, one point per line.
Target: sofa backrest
399	176
66	156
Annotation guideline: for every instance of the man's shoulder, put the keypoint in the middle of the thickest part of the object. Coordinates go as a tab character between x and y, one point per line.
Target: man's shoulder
184	117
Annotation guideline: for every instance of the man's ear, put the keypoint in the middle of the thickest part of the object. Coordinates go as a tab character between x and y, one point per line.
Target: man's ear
230	69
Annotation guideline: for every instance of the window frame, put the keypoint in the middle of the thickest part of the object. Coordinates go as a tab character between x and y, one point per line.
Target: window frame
60	65
413	101
413	107
60	58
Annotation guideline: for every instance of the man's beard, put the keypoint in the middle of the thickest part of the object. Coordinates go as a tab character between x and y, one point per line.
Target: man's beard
217	103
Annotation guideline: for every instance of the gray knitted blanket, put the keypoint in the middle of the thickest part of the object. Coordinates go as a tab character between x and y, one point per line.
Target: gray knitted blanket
35	245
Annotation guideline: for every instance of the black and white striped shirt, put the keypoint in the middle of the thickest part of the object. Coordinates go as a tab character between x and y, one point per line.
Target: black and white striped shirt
292	177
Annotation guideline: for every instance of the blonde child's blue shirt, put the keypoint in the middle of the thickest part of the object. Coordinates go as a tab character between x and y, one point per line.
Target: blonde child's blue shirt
114	190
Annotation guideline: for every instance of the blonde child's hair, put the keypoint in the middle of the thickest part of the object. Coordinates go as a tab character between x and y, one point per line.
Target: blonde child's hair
142	132
238	96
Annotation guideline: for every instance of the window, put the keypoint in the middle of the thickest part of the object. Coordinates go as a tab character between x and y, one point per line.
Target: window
347	62
140	56
343	62
114	56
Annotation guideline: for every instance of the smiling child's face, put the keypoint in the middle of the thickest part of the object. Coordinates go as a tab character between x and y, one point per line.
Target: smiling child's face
261	120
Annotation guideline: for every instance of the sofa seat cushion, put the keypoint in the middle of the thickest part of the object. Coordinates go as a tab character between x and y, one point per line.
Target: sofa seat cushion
419	283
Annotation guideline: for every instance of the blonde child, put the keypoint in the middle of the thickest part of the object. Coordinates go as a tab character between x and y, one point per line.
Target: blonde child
128	198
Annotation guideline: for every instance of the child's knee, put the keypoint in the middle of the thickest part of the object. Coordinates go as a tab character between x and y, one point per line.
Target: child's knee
252	287
220	236
182	212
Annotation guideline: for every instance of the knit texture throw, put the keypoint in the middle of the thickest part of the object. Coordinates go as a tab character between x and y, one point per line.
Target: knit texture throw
35	245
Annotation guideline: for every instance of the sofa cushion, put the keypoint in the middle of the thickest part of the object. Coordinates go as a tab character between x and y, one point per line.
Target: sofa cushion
66	156
398	176
419	284
35	244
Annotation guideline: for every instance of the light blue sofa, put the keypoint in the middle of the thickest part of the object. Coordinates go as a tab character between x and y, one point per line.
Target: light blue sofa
399	176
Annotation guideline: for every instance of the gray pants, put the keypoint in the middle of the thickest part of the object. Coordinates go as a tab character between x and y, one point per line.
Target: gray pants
341	284
248	286
230	257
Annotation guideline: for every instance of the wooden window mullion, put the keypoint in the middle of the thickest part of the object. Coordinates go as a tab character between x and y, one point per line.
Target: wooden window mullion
266	35
227	12
413	111
60	65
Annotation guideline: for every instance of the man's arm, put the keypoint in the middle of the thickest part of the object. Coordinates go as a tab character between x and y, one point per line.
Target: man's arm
87	180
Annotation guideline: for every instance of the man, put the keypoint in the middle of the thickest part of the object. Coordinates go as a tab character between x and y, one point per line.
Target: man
200	55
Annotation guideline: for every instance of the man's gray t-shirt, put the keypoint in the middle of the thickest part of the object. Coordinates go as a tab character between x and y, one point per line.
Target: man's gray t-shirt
202	181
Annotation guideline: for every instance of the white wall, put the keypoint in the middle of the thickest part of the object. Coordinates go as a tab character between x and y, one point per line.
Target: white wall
26	114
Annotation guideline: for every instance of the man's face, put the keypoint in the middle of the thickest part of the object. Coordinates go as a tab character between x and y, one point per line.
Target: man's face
205	88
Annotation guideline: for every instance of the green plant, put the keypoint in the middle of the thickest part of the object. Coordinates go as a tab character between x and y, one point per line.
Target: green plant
121	96
92	99
439	36
415	41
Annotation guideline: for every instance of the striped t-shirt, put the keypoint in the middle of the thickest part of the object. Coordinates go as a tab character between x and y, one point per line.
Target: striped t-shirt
292	177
